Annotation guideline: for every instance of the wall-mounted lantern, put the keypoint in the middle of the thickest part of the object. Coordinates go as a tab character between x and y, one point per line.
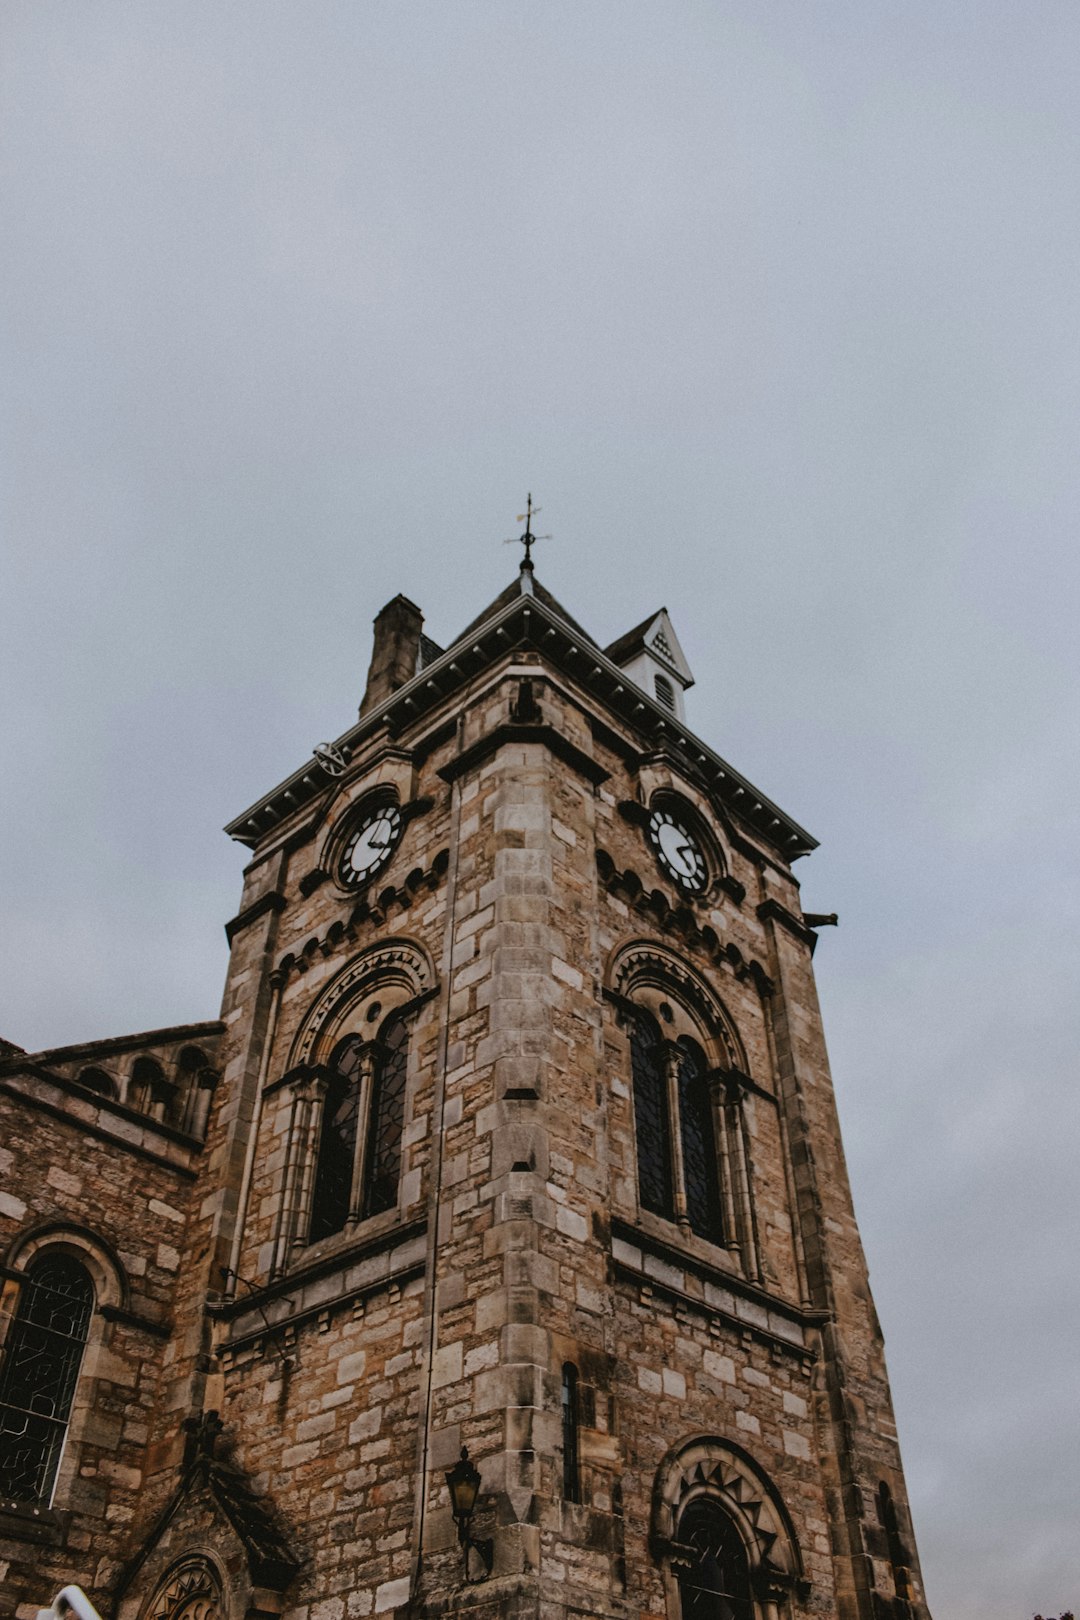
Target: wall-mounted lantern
463	1481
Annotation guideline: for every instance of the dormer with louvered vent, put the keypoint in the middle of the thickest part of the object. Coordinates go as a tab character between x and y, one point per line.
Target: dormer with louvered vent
651	656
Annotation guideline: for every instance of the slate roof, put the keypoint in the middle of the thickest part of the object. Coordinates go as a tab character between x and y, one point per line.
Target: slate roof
534	588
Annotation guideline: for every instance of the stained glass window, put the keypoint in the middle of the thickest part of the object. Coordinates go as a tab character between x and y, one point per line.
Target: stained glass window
699	1145
337	1143
39	1373
382	1171
715	1583
651	1122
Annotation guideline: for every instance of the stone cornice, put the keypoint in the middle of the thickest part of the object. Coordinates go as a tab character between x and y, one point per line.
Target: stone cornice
773	911
374	910
132	1319
526	620
280	1307
680	920
109	1109
511	732
272	900
743	1304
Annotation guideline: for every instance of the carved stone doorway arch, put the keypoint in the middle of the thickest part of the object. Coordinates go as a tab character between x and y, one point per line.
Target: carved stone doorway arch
713	1471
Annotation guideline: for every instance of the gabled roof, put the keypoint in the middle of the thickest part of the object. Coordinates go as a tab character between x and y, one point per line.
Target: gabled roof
654	635
526	615
254	1520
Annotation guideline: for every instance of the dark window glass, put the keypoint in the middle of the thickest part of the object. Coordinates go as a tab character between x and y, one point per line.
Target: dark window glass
97	1080
382	1172
699	1145
39	1374
147	1083
337	1144
571	1472
665	692
651	1118
716	1583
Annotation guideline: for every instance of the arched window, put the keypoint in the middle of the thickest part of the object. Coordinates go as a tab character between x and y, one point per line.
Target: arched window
713	1570
678	1170
358	1167
40	1369
571	1467
149	1091
95	1079
665	692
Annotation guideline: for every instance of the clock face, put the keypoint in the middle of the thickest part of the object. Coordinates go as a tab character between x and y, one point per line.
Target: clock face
370	845
678	851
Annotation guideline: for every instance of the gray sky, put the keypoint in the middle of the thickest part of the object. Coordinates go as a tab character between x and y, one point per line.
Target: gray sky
774	308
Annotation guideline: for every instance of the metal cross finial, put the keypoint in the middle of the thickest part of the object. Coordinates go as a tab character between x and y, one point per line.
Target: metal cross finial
528	539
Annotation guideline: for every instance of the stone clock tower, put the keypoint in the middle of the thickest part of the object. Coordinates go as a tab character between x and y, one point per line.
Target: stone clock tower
517	1169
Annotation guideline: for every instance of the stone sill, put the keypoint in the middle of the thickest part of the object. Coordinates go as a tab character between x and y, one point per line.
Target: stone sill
22	1521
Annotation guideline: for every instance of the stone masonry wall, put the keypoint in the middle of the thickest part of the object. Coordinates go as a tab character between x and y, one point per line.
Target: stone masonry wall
84	1175
349	1372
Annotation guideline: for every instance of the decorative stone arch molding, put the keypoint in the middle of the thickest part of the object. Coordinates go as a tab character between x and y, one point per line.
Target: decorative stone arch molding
94	1252
45	1468
718	1470
399	968
645	964
378	990
192	1590
693	1145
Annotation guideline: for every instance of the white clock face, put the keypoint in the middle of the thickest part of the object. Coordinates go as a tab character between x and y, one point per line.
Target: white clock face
370	845
678	851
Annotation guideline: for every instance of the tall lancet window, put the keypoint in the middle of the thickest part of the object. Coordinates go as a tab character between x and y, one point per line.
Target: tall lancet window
358	1168
682	1131
382	1171
40	1369
651	1117
696	1122
337	1143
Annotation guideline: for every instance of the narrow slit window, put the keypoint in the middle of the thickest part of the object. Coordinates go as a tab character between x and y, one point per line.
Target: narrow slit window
570	1425
39	1373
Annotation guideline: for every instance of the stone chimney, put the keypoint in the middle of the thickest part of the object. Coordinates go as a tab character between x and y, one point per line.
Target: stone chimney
394	655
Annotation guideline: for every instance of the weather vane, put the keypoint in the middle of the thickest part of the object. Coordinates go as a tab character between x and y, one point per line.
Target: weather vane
528	539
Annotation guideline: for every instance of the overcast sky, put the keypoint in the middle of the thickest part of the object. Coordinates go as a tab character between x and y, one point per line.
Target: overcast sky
773	306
